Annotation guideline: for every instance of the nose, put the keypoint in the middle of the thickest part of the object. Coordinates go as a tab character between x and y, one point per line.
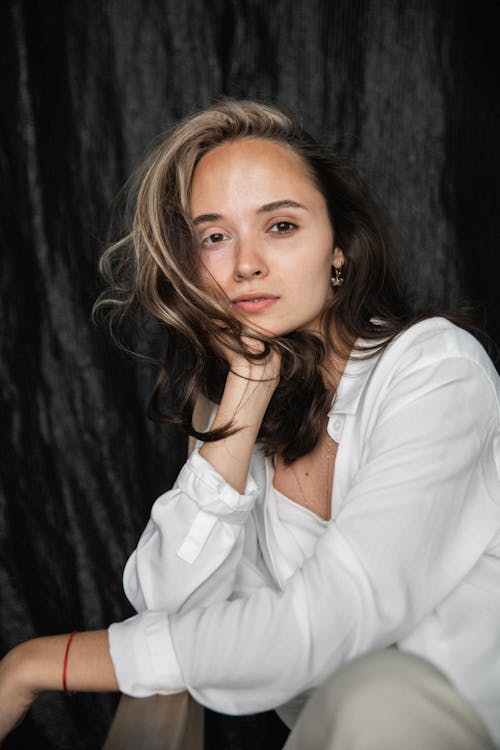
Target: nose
250	260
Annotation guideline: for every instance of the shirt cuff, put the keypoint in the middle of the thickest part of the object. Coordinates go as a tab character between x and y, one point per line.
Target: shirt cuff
212	493
217	501
143	655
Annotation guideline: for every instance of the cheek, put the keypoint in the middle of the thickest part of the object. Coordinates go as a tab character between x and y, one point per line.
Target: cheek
316	285
208	269
214	263
214	272
316	272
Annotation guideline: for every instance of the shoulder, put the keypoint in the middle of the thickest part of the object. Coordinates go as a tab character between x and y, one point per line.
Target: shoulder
426	357
437	341
432	362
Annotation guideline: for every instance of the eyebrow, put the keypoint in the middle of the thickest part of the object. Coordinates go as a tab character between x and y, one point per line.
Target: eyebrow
287	203
202	218
266	208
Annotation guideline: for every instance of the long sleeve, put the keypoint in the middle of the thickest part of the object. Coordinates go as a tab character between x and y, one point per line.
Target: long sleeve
192	545
188	554
420	510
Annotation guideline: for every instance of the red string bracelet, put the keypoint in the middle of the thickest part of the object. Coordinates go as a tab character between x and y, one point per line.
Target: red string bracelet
65	664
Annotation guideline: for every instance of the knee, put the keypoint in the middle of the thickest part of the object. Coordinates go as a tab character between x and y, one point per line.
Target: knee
367	689
388	699
348	710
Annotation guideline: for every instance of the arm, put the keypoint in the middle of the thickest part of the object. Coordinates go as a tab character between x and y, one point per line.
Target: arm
245	400
189	552
37	665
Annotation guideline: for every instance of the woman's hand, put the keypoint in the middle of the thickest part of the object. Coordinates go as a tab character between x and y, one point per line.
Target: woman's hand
16	696
257	370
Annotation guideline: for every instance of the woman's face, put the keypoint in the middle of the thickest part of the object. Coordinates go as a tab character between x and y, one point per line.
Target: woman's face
265	235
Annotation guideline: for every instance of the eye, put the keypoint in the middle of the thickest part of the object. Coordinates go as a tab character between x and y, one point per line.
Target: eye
213	239
283	227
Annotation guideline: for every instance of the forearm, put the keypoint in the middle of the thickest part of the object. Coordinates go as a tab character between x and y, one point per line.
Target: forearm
244	403
38	663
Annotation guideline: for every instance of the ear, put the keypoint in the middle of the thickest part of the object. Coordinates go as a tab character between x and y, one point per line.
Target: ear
337	257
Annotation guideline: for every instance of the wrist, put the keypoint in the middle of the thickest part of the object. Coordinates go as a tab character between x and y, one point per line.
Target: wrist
38	664
265	371
19	663
241	385
244	402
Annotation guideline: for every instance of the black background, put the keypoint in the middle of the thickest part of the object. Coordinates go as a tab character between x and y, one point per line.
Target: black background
407	89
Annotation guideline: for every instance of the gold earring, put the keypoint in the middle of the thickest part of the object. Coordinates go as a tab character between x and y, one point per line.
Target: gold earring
338	279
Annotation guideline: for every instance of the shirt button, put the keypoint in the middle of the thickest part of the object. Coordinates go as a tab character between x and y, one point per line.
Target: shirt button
337	425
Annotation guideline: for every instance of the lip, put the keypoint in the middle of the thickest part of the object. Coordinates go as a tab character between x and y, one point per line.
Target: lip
254	302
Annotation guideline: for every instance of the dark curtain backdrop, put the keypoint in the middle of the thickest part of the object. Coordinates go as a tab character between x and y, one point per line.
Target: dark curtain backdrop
408	89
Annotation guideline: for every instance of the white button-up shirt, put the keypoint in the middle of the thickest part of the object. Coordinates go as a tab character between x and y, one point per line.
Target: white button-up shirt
248	612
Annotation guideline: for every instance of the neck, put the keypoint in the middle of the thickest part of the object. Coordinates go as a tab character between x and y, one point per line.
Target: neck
333	365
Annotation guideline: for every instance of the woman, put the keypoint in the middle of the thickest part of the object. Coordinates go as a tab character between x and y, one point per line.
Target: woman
331	548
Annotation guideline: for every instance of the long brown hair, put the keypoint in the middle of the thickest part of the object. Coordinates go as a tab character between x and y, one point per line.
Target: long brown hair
157	264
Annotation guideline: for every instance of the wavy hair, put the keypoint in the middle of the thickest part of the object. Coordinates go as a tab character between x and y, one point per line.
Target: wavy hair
157	265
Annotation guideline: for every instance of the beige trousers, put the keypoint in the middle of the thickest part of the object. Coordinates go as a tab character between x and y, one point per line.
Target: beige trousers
388	700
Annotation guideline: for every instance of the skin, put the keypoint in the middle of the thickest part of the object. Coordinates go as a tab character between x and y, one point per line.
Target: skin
36	665
280	255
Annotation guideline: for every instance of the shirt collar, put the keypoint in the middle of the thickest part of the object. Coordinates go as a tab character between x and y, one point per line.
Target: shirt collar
353	380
